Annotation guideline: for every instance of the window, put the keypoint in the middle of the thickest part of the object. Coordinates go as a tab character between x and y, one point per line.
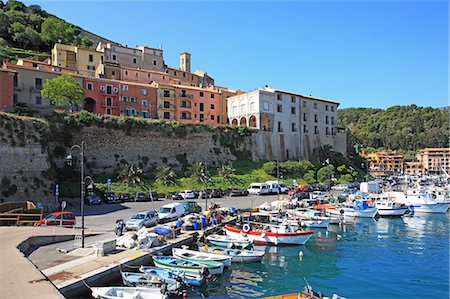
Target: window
124	99
144	92
315	105
294	129
234	109
145	114
38	83
108	111
125	87
292	99
316	130
91	58
91	68
327	131
192	77
304	104
183	93
102	88
279	108
166	104
212	106
242	108
108	89
333	132
201	94
201	117
252	106
201	107
280	129
315	118
90	86
279	97
137	74
326	120
114	57
218	119
108	101
305	130
144	103
174	73
166	93
332	108
134	60
132	99
16	80
113	73
166	115
212	96
126	73
212	117
15	98
184	75
116	89
265	106
326	107
38	100
332	120
154	62
293	110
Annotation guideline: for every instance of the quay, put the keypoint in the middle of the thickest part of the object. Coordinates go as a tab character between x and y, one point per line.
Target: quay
22	279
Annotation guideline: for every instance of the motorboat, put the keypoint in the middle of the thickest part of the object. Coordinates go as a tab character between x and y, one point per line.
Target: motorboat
270	234
420	202
190	279
132	279
128	292
237	255
360	209
197	256
236	241
172	263
389	208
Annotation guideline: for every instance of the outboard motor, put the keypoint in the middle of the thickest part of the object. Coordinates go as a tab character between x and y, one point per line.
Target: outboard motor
205	272
120	224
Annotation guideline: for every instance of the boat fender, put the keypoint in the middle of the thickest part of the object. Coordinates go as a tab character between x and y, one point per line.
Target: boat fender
246	228
263	235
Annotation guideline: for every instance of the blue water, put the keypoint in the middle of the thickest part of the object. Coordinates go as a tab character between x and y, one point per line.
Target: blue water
384	258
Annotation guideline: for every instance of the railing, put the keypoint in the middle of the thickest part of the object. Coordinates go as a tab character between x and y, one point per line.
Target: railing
170	106
184	95
20	218
186	106
167	95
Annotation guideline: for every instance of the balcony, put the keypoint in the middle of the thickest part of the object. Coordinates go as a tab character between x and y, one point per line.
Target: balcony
114	105
184	95
111	93
186	105
167	95
167	107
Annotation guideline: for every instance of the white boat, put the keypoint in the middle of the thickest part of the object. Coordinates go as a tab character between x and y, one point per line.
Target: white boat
389	208
236	241
197	256
360	209
128	292
419	202
237	255
315	223
269	234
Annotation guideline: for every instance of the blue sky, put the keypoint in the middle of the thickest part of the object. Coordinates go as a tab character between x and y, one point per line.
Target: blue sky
361	53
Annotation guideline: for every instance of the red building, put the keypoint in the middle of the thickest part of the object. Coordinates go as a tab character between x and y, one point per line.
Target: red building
6	88
137	99
101	96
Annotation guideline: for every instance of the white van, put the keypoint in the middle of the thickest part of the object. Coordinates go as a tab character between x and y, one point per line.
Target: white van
276	186
170	212
258	188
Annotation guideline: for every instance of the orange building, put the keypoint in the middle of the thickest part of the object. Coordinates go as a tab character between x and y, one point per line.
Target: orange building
137	99
435	160
6	88
383	163
101	96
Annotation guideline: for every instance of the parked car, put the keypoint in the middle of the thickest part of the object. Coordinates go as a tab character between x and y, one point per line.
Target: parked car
152	195
277	187
191	207
340	187
258	188
141	219
125	197
58	218
177	196
187	194
110	197
301	188
238	192
140	196
92	199
300	195
170	212
214	193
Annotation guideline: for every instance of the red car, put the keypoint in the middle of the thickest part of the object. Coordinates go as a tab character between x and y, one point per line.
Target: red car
300	188
58	218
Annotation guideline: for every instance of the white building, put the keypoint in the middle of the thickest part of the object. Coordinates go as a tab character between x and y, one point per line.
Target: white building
291	125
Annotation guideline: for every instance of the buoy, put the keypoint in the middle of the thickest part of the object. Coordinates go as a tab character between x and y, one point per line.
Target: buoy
246	228
300	254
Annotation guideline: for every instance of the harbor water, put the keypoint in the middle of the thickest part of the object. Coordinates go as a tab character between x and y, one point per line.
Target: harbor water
385	258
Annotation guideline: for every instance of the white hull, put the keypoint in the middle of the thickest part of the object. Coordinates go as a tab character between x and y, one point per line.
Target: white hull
350	212
316	223
201	256
239	256
126	293
392	212
263	238
430	208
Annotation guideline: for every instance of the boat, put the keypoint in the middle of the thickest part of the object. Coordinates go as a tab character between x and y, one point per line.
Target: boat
172	263
237	255
270	234
128	293
419	202
306	293
315	223
360	209
389	208
197	256
190	279
237	241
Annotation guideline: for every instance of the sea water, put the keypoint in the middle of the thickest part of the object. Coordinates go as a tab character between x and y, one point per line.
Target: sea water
366	258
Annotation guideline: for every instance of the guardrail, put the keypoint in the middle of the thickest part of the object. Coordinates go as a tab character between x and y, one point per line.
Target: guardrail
20	218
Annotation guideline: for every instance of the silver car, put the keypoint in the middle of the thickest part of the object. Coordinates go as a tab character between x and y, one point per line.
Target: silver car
141	219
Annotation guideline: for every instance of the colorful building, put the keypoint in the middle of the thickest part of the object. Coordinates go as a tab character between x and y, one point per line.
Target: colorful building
6	88
137	99
101	96
384	163
87	62
435	160
413	168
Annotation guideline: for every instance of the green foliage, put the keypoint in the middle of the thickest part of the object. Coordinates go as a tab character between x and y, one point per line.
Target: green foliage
397	128
130	175
226	171
23	109
199	173
54	29
64	90
166	176
294	169
14	5
310	176
325	174
23	35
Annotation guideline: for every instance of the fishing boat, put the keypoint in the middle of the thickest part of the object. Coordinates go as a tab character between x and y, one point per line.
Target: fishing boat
237	255
360	209
197	256
128	293
237	241
131	279
270	234
389	208
190	279
306	293
420	202
172	263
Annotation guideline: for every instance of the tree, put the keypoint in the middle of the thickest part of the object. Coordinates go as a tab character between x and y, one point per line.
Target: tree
130	175
64	90
199	173
166	176
54	29
226	171
325	173
24	35
310	176
15	5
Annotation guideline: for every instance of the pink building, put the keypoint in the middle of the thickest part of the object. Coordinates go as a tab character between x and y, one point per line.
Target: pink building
6	88
101	96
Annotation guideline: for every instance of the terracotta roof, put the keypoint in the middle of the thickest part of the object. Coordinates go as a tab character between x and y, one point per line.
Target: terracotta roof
30	68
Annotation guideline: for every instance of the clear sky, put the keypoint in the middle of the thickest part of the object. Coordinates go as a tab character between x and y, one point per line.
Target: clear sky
361	53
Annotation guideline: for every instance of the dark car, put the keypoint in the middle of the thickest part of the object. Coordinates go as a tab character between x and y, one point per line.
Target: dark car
214	193
300	195
125	197
191	207
238	192
140	196
92	199
110	197
176	196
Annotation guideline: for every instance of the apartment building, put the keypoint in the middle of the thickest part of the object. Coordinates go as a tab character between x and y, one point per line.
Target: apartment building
101	96
137	99
384	163
434	160
29	80
294	124
87	62
143	76
6	88
413	168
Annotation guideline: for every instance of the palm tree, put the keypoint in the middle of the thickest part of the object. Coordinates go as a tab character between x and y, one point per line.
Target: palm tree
166	176
130	175
226	171
199	173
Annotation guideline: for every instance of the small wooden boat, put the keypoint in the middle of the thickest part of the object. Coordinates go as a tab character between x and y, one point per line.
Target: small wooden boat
197	256
236	241
128	293
131	279
237	255
306	293
172	263
189	279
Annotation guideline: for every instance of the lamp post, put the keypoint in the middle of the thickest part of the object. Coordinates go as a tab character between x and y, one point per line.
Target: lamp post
69	159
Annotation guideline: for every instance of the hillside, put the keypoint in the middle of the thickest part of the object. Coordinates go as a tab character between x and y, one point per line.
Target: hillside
406	128
30	32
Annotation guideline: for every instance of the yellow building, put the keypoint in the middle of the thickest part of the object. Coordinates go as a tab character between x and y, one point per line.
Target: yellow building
434	160
383	163
166	101
87	62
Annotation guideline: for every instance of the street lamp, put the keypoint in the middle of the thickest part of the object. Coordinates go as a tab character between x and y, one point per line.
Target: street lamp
70	162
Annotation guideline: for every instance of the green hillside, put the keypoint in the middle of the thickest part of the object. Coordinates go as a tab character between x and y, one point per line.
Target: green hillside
404	128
